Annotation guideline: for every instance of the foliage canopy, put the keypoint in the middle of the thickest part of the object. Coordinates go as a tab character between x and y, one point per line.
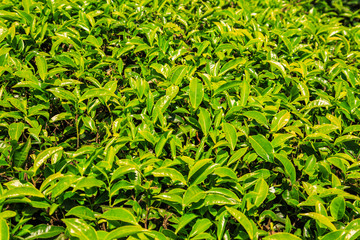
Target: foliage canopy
163	119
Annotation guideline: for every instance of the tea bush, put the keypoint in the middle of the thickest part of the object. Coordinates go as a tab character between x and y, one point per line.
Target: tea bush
164	119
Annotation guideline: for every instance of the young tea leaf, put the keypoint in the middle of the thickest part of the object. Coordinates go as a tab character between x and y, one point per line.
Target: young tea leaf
262	147
196	92
230	134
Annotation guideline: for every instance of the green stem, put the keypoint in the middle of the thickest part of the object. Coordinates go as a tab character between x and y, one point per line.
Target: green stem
111	115
77	131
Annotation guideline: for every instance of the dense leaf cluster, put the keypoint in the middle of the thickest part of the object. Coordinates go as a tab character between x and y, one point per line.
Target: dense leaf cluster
165	119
